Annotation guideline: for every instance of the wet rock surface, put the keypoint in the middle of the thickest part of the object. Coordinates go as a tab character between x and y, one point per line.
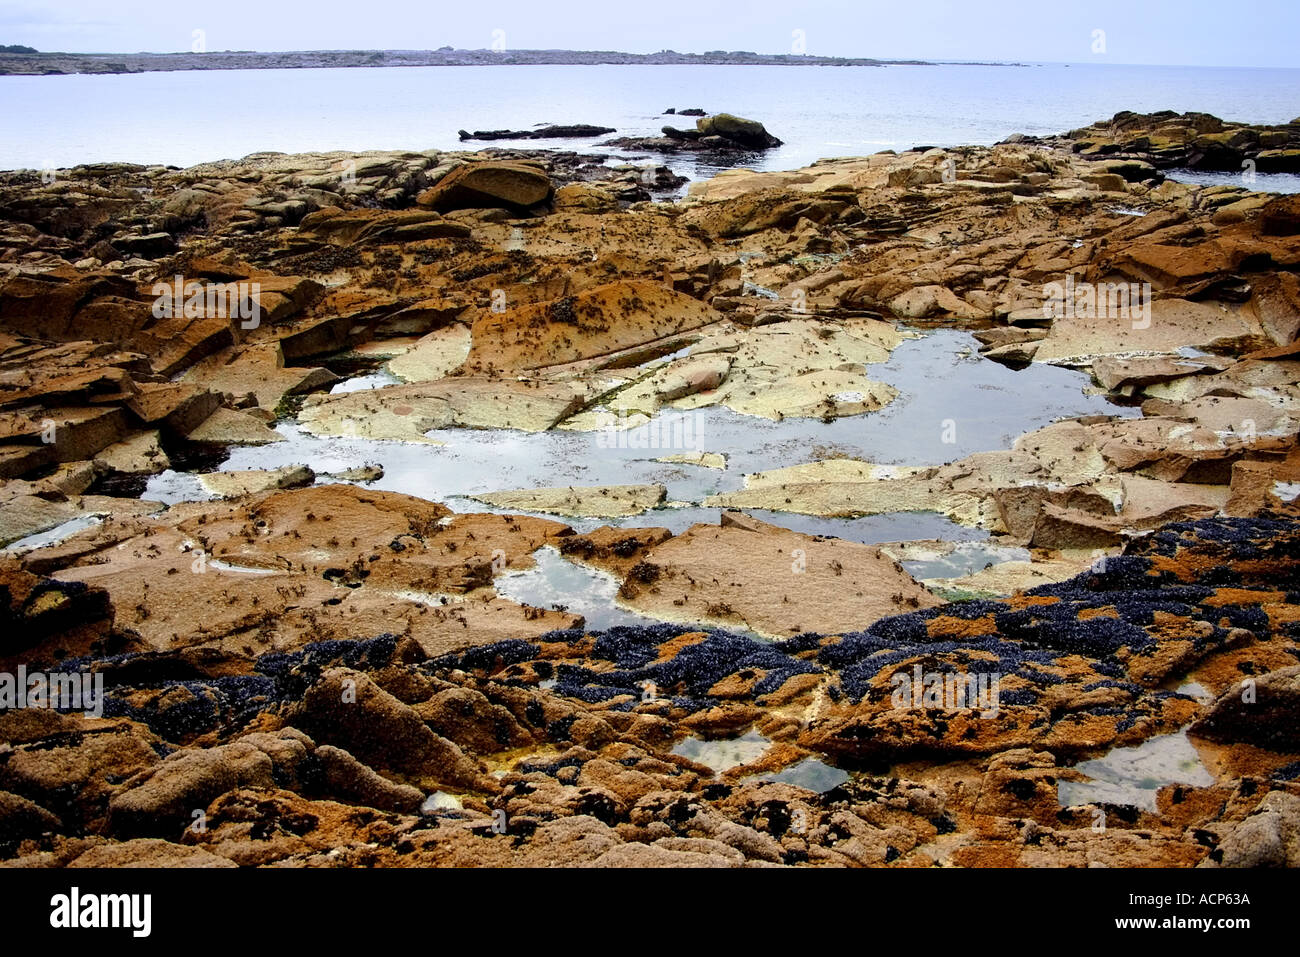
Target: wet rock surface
300	668
561	749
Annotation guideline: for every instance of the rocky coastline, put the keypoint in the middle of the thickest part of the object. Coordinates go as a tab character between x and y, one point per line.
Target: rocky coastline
301	668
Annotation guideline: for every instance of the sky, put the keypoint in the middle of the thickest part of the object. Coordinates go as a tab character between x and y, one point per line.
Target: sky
1246	33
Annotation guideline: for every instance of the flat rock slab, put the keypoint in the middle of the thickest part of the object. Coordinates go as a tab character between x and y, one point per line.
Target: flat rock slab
232	427
850	488
595	322
690	375
1274	381
25	515
1064	455
436	355
706	460
235	484
771	580
378	226
307	565
406	412
1172	325
802	367
1116	373
177	342
257	369
139	454
68	435
1150	502
485	620
1006	578
595	501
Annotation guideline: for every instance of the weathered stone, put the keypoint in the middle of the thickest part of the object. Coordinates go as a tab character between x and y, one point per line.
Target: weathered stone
487	184
601	501
232	427
235	484
1256	711
407	412
714	574
347	709
163	801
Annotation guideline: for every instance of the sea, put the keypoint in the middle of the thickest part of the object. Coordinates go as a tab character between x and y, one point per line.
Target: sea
184	118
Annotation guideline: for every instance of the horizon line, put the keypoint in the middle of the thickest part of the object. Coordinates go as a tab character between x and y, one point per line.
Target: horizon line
894	60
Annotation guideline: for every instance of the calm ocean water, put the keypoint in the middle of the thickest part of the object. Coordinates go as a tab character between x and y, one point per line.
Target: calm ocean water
187	118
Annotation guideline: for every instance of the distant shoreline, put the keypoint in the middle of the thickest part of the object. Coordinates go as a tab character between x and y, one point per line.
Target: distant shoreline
61	64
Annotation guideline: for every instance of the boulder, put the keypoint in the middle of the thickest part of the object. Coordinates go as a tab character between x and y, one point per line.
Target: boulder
345	708
176	407
21	819
162	801
470	719
486	185
1281	217
750	134
1259	711
1269	837
149	246
346	779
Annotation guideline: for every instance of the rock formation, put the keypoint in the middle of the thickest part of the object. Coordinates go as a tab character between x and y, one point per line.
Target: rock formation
320	672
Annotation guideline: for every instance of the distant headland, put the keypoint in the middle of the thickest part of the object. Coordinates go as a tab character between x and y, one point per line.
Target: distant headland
24	61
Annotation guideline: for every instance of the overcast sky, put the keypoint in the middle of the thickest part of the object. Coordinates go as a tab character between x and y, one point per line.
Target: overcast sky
1175	32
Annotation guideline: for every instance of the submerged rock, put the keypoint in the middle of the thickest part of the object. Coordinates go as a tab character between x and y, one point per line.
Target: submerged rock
706	460
600	501
560	131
